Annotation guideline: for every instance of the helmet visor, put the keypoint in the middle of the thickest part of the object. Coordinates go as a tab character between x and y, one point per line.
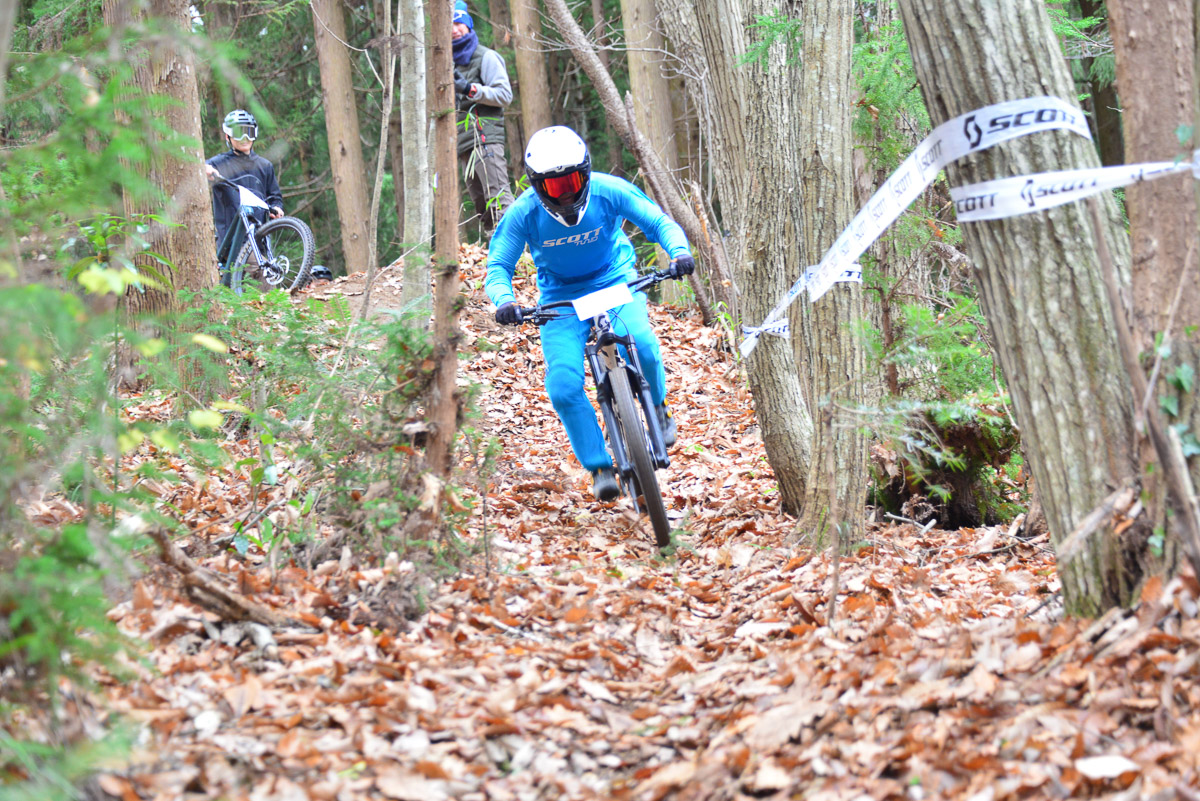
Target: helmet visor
241	130
563	188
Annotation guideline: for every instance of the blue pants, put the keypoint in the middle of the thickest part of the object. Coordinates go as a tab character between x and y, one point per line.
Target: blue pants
563	341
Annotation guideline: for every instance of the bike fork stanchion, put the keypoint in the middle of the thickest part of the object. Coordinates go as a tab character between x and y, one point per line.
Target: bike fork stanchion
638	380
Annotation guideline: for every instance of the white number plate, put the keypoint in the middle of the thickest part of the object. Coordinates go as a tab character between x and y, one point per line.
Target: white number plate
602	300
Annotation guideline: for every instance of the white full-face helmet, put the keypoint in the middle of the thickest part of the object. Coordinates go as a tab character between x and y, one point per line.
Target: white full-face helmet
560	171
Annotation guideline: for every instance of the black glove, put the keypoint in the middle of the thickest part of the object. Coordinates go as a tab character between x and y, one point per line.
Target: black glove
461	84
684	265
509	314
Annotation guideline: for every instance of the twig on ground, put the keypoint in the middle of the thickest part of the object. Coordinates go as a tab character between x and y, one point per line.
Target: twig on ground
205	588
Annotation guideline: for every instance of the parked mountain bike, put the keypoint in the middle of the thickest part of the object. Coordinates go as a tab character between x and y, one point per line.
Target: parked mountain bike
631	426
278	253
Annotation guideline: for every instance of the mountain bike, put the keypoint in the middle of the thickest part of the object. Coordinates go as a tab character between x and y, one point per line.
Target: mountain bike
631	426
278	252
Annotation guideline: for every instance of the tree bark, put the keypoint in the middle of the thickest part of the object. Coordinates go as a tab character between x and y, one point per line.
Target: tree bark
533	85
417	212
1039	278
443	400
757	170
645	51
1156	51
503	40
828	347
341	127
167	69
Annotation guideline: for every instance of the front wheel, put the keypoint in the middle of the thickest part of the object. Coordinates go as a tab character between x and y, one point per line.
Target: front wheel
287	247
633	433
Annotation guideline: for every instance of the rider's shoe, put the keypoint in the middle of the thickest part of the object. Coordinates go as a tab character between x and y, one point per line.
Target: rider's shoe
604	484
666	422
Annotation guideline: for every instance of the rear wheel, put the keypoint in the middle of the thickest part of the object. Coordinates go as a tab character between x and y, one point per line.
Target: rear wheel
633	433
287	247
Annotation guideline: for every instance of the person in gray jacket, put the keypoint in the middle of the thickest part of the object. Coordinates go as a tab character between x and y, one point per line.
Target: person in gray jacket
482	92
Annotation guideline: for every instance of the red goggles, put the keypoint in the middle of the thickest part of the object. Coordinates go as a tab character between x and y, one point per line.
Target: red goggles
562	186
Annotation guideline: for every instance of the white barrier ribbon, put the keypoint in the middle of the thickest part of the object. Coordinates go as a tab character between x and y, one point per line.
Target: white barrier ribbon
953	139
1011	197
781	328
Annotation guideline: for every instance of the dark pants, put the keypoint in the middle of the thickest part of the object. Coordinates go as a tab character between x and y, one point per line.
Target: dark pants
486	173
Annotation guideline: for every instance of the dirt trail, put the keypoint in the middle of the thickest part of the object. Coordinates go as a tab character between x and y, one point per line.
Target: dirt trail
574	663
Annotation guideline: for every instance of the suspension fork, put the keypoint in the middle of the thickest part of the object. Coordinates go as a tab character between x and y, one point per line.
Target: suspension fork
601	360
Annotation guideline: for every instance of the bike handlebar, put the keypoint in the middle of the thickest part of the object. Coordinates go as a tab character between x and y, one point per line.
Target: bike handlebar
543	312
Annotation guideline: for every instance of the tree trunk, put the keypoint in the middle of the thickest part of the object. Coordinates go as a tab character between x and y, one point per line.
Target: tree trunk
1155	51
1040	278
503	42
341	127
757	169
645	50
167	69
532	84
11	246
416	215
443	400
600	24
827	342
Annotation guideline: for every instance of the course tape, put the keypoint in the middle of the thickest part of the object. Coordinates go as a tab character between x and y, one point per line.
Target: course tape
1023	194
953	139
780	328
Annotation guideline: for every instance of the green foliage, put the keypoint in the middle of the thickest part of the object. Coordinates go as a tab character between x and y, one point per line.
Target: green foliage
944	352
1067	26
60	433
892	114
769	30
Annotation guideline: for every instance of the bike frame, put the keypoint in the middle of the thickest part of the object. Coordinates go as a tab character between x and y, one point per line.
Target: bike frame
603	357
249	227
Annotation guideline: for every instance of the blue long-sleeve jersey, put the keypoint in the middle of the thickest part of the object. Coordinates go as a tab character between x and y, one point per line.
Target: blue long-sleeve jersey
573	261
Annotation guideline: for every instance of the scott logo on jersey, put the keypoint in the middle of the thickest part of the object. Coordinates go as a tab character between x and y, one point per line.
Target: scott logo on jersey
586	238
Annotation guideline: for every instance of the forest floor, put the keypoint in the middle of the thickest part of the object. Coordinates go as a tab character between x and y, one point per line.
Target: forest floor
568	660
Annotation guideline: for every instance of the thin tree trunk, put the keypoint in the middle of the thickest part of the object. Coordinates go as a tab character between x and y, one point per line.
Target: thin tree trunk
388	45
8	17
532	82
1040	278
417	213
443	400
341	127
600	23
503	41
645	50
827	343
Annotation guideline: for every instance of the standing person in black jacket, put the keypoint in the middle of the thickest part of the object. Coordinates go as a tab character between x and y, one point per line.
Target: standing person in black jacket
243	166
482	91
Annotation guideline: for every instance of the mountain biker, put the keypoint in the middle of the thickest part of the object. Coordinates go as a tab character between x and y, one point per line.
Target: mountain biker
243	165
481	93
571	219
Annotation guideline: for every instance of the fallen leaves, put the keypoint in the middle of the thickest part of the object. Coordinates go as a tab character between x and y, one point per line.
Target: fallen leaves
577	664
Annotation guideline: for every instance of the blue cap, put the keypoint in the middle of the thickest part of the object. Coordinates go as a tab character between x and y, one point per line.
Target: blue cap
461	15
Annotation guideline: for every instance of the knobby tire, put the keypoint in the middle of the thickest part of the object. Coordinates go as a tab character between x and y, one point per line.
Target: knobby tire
293	247
633	432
